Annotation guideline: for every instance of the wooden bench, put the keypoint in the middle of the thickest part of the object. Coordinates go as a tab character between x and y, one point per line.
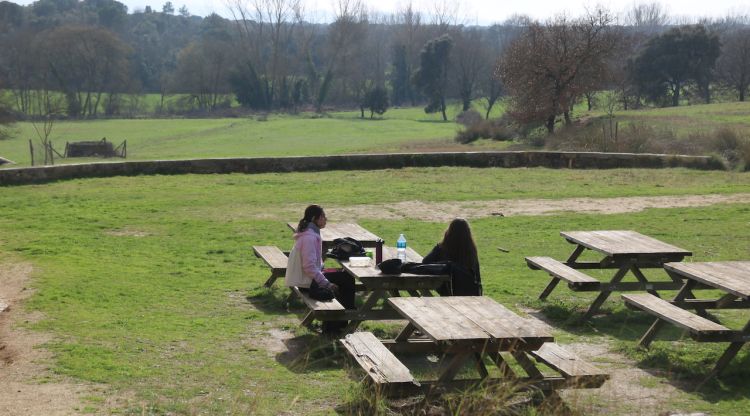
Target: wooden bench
560	271
323	310
275	259
577	372
700	329
389	375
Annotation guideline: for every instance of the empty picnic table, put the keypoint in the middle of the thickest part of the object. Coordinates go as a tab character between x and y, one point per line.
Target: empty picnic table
623	251
468	329
730	277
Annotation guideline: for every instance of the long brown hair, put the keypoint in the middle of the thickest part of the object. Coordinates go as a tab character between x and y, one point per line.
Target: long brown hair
312	212
458	244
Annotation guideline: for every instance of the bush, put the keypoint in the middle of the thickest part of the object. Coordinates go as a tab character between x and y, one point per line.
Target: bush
732	146
469	118
500	129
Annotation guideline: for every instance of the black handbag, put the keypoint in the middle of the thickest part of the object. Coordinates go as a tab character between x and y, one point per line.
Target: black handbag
346	247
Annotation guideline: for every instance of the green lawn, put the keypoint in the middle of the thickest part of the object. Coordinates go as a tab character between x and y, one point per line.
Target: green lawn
149	285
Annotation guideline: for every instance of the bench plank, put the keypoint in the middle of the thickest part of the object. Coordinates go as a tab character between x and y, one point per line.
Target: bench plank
567	363
319	305
275	259
700	328
379	363
562	271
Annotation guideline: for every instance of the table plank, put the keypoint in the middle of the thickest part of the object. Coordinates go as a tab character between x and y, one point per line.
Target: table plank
730	276
500	322
623	243
438	320
333	231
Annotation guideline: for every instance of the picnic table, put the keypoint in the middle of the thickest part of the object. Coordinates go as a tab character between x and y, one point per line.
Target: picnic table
333	231
377	286
623	251
468	330
730	277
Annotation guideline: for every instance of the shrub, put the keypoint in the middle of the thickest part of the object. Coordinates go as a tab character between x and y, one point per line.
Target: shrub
500	129
732	146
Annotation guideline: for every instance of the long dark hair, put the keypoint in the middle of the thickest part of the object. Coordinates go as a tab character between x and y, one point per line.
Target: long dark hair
312	213
458	244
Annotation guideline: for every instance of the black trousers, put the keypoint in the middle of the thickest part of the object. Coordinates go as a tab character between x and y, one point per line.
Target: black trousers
345	296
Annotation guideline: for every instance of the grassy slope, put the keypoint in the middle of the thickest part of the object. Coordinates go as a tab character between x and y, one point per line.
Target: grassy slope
150	285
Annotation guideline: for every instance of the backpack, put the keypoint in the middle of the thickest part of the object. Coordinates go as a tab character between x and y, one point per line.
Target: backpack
464	282
346	247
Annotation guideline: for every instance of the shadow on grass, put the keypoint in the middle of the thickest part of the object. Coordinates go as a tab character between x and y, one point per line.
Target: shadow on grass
673	355
312	353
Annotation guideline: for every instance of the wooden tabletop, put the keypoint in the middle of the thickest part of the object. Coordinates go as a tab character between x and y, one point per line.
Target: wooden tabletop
730	276
468	318
333	231
623	243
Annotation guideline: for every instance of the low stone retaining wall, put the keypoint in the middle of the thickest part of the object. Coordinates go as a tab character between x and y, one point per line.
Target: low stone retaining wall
570	160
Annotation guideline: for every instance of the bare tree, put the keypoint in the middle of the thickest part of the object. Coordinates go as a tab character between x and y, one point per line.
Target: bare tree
203	71
733	66
471	61
650	18
550	66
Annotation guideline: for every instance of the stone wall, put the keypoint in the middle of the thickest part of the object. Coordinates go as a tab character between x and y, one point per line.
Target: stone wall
569	160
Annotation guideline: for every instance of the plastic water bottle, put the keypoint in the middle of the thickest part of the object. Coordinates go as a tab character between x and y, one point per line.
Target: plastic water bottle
401	247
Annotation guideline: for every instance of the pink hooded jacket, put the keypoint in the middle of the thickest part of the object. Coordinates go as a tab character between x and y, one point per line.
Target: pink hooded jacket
310	246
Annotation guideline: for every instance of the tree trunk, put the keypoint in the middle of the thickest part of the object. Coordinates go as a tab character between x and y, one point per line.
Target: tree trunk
676	95
568	121
551	124
361	112
442	108
742	95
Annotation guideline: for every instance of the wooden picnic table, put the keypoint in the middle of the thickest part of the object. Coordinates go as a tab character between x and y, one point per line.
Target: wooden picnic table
624	251
730	277
469	329
333	231
379	286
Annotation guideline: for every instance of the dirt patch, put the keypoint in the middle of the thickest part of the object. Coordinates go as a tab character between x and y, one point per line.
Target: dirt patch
445	211
27	386
629	391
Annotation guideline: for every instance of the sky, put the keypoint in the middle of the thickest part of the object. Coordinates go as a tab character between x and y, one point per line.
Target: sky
483	12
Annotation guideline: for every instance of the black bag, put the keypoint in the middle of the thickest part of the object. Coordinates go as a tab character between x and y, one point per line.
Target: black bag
426	268
390	266
346	247
320	293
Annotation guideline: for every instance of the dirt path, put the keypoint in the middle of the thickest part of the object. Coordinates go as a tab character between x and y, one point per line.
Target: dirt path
27	386
445	211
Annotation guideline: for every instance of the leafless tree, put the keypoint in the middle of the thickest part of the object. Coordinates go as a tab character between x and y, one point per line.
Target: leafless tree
550	66
733	65
203	70
647	17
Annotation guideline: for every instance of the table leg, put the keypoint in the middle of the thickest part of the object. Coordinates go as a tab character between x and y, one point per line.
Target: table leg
369	303
604	294
483	373
550	287
502	365
406	332
425	292
687	290
575	254
528	366
453	367
728	354
641	278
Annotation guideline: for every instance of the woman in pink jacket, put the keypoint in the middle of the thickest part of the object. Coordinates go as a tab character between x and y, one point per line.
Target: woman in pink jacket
305	267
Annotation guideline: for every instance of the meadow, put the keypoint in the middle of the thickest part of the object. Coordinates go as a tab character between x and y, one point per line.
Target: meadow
150	291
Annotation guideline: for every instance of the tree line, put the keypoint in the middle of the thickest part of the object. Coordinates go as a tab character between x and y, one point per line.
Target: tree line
91	58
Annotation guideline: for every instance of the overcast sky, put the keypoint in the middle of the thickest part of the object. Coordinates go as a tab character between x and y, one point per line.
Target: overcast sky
474	11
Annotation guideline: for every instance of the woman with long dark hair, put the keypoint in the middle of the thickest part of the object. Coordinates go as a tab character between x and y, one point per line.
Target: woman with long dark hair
458	247
305	267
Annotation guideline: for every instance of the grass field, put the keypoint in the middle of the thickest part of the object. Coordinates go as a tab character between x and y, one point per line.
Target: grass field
149	285
400	130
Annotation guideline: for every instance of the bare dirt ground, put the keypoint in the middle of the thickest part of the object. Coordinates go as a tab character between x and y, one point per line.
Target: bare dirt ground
446	211
28	386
